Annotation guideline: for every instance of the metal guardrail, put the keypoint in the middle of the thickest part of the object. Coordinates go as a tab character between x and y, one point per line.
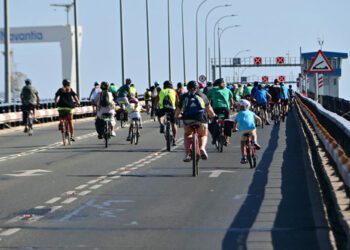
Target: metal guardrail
337	105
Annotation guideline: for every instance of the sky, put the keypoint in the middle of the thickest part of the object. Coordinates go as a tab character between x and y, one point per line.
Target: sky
269	28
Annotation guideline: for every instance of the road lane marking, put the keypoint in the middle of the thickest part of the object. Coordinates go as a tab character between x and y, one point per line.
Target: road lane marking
83	193
106	181
55	208
113	173
81	187
96	187
53	200
9	232
93	181
29	173
217	173
69	200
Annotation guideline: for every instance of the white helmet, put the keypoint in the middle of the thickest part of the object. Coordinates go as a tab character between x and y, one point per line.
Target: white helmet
245	104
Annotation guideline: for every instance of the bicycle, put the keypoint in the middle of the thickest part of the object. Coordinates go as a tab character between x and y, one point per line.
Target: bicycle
168	135
260	113
220	138
250	148
65	128
135	134
195	150
107	131
275	113
122	115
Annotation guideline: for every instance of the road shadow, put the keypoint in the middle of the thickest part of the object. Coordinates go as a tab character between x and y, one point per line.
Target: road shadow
237	234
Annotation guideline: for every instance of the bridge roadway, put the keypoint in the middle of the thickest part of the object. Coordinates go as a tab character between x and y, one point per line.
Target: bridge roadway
140	197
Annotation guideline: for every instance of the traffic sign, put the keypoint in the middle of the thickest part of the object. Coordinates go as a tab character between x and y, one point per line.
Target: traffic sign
265	78
257	60
280	60
202	78
320	64
281	78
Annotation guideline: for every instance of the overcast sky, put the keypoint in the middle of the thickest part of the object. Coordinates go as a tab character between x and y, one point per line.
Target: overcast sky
269	28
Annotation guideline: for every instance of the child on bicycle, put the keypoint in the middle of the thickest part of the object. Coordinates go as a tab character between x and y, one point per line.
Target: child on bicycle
246	122
134	110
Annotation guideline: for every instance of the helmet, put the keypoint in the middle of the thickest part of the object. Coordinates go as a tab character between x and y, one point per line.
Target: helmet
167	85
249	84
128	81
245	104
104	85
66	83
290	86
276	81
156	84
282	84
97	84
256	84
192	85
28	82
179	85
209	84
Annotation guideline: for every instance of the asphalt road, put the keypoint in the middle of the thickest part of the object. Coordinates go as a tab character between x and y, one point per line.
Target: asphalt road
141	197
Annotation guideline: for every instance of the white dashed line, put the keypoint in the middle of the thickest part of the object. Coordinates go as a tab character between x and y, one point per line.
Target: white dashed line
69	200
9	232
81	187
96	187
53	200
55	208
84	193
106	181
93	181
113	173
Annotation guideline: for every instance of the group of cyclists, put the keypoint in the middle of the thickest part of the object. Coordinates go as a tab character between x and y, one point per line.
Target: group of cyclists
189	102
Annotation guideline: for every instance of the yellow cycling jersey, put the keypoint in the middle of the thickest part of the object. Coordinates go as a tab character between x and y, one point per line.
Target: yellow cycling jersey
167	99
132	91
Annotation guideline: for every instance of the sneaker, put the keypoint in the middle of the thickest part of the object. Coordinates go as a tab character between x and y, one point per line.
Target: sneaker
25	130
244	160
140	126
187	158
162	128
213	141
204	155
100	137
113	134
128	138
174	142
72	139
268	123
257	146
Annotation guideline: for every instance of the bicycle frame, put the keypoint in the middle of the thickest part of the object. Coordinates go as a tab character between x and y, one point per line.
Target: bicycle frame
250	148
65	129
168	133
195	151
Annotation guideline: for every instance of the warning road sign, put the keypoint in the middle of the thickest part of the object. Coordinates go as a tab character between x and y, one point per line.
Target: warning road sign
320	64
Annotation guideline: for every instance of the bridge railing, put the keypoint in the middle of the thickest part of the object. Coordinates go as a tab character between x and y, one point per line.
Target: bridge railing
336	105
334	132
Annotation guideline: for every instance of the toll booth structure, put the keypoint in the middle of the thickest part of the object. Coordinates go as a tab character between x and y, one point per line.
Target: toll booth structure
330	80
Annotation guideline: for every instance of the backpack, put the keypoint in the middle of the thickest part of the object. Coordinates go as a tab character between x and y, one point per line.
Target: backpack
194	108
104	99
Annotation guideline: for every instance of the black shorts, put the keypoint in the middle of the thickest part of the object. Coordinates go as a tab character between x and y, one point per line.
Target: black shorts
171	112
222	111
284	102
263	106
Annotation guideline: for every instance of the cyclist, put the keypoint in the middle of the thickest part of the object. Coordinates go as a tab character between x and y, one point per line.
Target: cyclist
195	107
168	99
148	99
104	105
261	97
180	89
275	92
30	99
284	98
155	89
221	99
113	89
134	110
207	88
290	94
238	93
247	91
132	91
65	101
246	123
94	92
123	93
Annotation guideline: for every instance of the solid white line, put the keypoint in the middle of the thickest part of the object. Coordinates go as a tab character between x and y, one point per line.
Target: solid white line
106	181
81	187
53	200
84	193
69	200
113	173
9	232
115	177
137	167
96	187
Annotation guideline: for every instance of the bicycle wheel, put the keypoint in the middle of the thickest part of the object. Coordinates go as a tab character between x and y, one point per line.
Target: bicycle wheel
168	137
221	143
249	156
30	125
106	134
63	138
194	156
136	129
217	144
261	114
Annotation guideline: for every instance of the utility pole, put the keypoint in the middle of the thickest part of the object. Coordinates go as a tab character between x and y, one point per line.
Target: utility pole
76	48
7	55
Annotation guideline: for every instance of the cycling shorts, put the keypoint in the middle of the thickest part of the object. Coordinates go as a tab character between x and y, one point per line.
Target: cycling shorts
263	106
284	102
63	112
222	112
242	134
163	112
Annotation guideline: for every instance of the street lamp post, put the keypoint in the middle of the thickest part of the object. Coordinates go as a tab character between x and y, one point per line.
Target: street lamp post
216	24
121	38
169	43
76	48
183	40
219	43
148	47
206	34
197	56
7	54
